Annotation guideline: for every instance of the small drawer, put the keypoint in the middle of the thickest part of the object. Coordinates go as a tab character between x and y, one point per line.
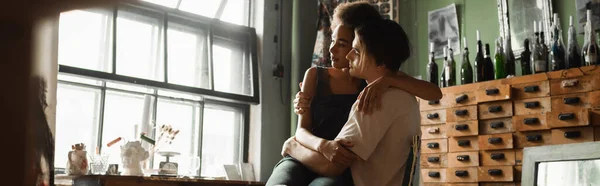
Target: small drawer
462	128
463	159
460	99
461	175
518	173
495	92
496	126
496	141
558	119
570	102
530	122
533	138
434	146
433	117
532	106
461	113
594	98
432	105
497	184
433	131
497	157
531	90
434	175
498	109
462	184
572	135
434	160
574	85
519	156
496	174
463	144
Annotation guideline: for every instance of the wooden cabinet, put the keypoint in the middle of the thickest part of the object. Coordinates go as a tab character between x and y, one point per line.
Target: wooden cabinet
476	133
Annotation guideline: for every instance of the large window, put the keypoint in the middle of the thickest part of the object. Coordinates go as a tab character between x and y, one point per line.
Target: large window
120	67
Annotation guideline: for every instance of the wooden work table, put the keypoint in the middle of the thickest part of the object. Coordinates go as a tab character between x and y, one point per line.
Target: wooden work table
105	180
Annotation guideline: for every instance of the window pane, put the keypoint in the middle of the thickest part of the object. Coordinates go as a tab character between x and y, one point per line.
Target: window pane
182	116
121	113
220	139
207	8
139	43
231	69
84	40
167	3
187	57
174	94
77	112
235	12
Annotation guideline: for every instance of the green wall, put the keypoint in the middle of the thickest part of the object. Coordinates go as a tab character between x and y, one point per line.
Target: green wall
473	15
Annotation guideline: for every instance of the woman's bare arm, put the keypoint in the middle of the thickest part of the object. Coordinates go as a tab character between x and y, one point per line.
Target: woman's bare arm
422	89
303	132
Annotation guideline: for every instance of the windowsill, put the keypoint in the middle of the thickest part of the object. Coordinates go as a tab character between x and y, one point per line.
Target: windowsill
64	180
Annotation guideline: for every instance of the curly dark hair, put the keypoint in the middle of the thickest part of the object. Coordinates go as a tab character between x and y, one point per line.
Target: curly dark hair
354	14
385	41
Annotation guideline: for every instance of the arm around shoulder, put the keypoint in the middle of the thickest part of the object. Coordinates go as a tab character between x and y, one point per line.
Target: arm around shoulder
419	88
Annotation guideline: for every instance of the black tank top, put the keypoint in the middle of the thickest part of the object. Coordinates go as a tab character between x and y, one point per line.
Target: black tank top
330	111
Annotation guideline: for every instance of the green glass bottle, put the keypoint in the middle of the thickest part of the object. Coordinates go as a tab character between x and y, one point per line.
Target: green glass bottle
466	71
500	72
450	67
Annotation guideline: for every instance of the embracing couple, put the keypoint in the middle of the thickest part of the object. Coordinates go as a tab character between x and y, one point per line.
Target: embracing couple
351	132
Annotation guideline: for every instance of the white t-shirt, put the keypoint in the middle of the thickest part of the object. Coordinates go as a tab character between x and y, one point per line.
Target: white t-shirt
382	139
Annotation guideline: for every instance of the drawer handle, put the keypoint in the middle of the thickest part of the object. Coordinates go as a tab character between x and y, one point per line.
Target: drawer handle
495	172
493	91
566	116
434	102
463	143
434	174
461	173
433	145
569	83
535	137
433	159
532	104
533	88
461	112
494	140
572	134
497	124
571	101
461	127
497	156
462	158
495	109
433	130
433	116
461	98
530	121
